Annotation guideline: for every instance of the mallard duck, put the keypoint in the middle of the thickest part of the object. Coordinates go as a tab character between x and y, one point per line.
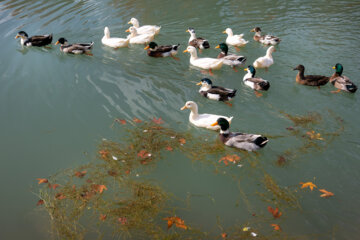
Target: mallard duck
230	59
199	42
136	38
265	61
244	141
265	39
204	63
310	80
342	82
214	92
37	41
146	29
75	48
255	83
153	50
202	120
114	42
234	40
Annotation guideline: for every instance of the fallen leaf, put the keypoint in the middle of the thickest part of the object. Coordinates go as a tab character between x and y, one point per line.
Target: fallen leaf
127	172
275	212
169	148
53	186
60	196
245	229
325	194
40	202
230	158
143	154
102	217
121	121
313	135
308	184
276	227
122	220
182	141
87	195
104	154
224	235
137	120
100	188
80	174
178	222
158	121
42	180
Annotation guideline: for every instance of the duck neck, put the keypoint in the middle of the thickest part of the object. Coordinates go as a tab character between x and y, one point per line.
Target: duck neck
192	36
248	75
269	53
22	40
205	88
224	132
193	55
301	74
194	112
258	34
230	33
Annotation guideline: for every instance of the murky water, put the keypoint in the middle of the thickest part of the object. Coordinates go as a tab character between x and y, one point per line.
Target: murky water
56	108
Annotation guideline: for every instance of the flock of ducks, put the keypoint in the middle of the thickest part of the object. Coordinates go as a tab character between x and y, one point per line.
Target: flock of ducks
145	35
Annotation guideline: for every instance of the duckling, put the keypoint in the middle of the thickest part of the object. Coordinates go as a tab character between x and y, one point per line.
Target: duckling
235	40
265	61
255	83
230	59
136	38
75	48
265	39
204	63
153	50
36	41
202	120
199	42
341	82
244	141
310	80
146	29
215	92
114	42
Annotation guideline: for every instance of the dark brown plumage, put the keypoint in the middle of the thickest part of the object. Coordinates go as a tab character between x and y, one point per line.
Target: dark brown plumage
310	80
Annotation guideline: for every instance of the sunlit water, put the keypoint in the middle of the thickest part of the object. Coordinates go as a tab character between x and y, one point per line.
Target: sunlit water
56	108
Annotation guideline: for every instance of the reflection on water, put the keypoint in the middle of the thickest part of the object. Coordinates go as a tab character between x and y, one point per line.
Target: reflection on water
55	107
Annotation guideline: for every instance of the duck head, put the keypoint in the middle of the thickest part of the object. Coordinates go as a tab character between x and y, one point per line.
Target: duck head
300	68
228	31
338	68
22	35
251	70
256	30
224	125
152	45
224	47
190	105
191	30
62	41
205	82
191	50
134	22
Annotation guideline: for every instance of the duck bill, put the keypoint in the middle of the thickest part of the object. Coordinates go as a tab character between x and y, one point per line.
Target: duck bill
245	69
183	108
57	43
199	83
224	32
17	36
127	30
185	51
147	47
218	46
252	30
333	67
214	124
129	22
187	30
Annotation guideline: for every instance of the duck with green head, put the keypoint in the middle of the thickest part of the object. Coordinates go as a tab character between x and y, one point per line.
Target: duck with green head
215	92
244	141
255	82
230	59
75	48
341	82
153	50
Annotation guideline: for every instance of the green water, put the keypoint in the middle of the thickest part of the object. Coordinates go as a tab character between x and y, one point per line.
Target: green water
56	108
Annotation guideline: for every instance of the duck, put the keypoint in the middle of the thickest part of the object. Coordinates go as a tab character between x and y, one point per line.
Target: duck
310	80
230	59
204	63
36	41
215	92
243	141
153	50
265	39
114	42
202	120
265	61
146	29
255	83
136	38
199	42
234	40
341	82
75	48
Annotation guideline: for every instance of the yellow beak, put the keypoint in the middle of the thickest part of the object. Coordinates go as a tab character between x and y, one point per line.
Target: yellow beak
187	30
224	31
183	108
252	30
147	47
17	36
218	46
199	83
185	50
129	22
214	124
245	69
127	30
333	67
57	43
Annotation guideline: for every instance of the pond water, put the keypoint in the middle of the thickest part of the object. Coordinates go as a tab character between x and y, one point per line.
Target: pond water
56	108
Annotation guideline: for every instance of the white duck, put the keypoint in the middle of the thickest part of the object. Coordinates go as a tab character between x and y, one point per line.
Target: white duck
136	38
202	120
267	60
114	42
234	40
204	63
146	29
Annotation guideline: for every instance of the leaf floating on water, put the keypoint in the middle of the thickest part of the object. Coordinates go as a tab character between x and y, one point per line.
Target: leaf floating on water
182	141
53	186
313	135
104	154
121	121
102	217
143	154
60	196
224	235
42	180
276	227
309	185
122	220
229	158
275	212
245	229
137	120
40	202
178	222
169	148
99	188
326	194
158	121
80	174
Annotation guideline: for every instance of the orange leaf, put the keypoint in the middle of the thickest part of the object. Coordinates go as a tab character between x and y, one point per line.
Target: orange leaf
224	235
80	174
40	202
178	222
42	180
53	186
308	184
158	121
100	188
121	121
276	227
127	172
182	141
144	154
137	120
230	158
122	220
275	212
169	148
104	154
325	194
60	196
102	217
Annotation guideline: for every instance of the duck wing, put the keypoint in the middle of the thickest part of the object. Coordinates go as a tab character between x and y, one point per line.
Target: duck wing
316	80
249	142
40	40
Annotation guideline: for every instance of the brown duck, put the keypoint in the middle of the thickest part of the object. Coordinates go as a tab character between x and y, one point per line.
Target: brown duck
310	80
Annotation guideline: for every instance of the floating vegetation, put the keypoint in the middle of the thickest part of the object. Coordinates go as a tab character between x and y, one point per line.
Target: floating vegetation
304	120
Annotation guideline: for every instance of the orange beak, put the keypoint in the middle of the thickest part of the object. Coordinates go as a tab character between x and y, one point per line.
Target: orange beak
147	47
127	30
333	67
224	31
199	83
183	108
252	30
187	30
129	22
185	50
57	43
218	46
214	124
17	36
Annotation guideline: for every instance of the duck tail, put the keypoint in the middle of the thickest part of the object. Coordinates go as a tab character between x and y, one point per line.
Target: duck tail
242	60
206	44
232	94
351	88
264	85
230	119
261	141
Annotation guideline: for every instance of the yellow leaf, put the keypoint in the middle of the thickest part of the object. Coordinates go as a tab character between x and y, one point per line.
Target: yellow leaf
309	185
325	194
